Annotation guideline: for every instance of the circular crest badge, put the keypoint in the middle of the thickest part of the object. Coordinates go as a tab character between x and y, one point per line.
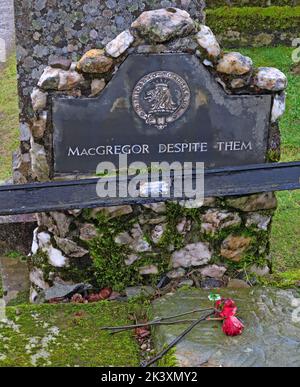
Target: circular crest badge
160	98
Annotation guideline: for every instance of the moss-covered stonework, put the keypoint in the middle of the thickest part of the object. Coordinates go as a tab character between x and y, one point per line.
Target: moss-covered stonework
127	245
66	335
255	26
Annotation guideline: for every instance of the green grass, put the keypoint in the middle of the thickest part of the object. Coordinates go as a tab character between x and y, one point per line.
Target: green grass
249	3
285	242
28	339
9	132
281	57
249	20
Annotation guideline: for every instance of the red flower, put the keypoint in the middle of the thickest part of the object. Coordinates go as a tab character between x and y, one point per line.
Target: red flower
219	303
229	309
232	326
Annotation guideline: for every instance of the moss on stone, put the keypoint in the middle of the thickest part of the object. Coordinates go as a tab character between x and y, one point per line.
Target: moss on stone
175	214
109	257
107	268
67	335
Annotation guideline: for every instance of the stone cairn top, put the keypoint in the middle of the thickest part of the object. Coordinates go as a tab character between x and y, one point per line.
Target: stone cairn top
161	28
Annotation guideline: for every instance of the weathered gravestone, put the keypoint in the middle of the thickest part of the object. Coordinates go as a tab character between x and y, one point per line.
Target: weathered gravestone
162	90
160	107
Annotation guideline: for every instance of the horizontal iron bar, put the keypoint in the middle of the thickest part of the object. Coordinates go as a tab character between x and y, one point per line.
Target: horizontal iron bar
78	194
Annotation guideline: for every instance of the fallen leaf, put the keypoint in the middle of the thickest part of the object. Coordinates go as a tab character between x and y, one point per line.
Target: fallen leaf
105	293
141	333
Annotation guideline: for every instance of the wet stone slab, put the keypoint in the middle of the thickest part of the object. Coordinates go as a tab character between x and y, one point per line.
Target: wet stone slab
271	338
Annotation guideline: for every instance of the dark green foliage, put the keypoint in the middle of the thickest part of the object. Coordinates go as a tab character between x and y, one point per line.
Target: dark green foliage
250	3
253	19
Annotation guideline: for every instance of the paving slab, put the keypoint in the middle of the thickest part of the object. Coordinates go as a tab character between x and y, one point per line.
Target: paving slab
271	337
67	335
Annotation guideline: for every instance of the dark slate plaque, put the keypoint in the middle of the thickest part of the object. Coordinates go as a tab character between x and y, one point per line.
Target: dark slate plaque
158	108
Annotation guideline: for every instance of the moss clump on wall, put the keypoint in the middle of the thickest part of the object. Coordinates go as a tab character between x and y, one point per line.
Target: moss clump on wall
171	236
108	257
287	280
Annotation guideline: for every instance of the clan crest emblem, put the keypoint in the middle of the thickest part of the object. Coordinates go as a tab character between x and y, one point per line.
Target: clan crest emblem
161	98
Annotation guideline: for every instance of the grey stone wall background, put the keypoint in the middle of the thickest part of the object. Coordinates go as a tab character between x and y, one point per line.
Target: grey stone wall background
47	29
7	27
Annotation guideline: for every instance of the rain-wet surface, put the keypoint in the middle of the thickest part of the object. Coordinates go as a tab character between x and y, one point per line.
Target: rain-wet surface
271	337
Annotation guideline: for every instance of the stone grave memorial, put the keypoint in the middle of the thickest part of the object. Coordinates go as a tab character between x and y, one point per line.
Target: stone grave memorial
147	80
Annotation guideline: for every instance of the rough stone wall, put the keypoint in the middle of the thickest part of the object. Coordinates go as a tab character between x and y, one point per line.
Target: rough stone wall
7	27
155	244
50	29
132	245
46	29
